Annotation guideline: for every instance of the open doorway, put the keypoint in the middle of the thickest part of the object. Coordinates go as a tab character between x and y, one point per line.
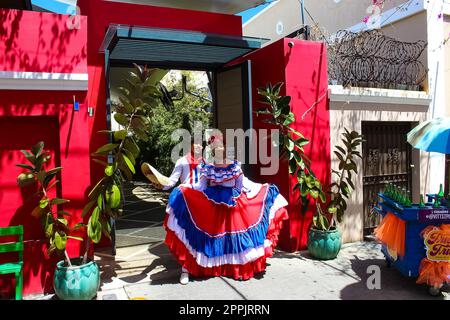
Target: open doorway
185	97
222	92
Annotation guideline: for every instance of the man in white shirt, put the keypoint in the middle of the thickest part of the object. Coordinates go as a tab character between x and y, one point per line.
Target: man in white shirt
186	171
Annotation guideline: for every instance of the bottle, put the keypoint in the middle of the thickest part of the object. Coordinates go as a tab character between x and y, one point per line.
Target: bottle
437	202
408	200
396	197
390	190
441	192
421	203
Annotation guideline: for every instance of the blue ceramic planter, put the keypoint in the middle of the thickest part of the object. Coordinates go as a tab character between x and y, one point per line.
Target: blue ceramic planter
324	245
77	282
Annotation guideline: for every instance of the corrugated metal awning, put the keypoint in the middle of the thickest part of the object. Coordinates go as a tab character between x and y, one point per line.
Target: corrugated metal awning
175	48
218	6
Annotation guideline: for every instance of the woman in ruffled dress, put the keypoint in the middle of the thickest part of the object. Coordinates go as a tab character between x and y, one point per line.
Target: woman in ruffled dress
224	225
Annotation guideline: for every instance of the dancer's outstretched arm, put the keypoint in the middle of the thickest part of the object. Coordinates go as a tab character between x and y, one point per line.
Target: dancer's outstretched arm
175	175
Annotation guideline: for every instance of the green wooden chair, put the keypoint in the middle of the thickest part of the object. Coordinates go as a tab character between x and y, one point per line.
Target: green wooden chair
13	267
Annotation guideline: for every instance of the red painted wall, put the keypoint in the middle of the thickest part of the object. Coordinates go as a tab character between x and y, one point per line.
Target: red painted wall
41	42
303	70
27	117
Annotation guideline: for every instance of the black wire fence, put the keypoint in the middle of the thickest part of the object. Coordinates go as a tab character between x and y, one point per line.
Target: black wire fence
372	59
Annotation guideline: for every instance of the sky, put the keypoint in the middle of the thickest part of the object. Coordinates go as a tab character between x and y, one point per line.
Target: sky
65	7
247	14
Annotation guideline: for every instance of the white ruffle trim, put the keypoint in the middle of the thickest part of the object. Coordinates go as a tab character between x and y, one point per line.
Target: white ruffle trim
241	258
218	175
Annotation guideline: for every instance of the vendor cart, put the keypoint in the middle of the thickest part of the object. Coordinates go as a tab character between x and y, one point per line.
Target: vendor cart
416	219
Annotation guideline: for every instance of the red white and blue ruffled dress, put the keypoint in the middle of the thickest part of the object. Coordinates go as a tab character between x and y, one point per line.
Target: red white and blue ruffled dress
225	225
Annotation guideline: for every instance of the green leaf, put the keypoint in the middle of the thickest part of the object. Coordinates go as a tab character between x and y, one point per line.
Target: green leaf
87	207
25	166
54	183
109	170
300	142
341	150
43	203
322	197
290	144
332	210
341	158
126	105
295	132
79	226
309	181
59	201
130	156
95	214
349	181
37	149
120	134
106	148
103	163
41	176
129	163
131	146
94	230
60	241
289	119
323	222
29	156
276	88
48	230
121	119
314	193
63	221
64	213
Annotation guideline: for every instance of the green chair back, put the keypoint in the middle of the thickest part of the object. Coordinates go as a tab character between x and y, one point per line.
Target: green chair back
14	246
17	267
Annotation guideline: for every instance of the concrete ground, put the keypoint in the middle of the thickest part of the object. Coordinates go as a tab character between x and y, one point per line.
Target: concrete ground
143	268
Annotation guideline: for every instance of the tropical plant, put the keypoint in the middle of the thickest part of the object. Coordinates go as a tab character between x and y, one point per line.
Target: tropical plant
291	143
343	186
181	111
118	156
54	223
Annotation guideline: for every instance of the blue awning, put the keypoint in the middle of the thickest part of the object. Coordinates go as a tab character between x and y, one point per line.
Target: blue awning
175	48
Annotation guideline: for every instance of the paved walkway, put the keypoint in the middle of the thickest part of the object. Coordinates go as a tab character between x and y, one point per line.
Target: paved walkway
143	268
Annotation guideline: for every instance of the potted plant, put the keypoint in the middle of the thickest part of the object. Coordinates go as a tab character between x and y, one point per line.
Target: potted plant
73	279
79	278
324	238
291	142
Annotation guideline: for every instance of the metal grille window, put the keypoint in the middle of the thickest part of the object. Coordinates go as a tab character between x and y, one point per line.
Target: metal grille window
386	158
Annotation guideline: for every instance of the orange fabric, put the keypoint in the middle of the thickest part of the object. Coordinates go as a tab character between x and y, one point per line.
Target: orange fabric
434	273
391	232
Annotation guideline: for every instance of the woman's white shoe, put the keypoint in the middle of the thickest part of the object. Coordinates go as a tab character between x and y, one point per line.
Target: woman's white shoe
184	278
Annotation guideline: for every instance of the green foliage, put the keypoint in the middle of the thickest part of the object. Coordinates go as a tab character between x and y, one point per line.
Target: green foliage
165	120
278	113
133	113
343	186
54	223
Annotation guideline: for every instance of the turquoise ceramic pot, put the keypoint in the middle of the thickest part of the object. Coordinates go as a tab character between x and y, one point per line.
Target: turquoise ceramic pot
324	245
77	282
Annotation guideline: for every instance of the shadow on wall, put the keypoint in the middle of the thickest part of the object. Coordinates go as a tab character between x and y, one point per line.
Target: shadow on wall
40	42
17	133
